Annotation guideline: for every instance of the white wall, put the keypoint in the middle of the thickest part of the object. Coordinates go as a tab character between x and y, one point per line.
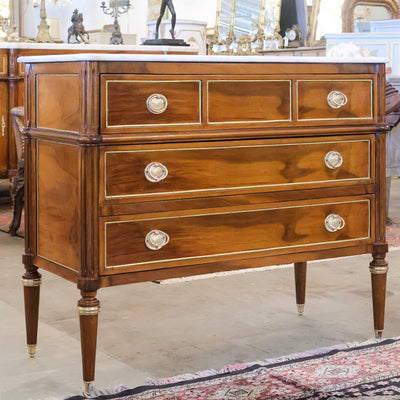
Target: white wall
94	18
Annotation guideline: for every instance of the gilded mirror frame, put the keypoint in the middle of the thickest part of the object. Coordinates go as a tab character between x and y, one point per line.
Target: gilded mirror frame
392	7
245	44
311	37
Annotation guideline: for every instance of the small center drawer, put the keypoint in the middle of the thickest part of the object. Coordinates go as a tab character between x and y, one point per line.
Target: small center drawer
133	173
155	241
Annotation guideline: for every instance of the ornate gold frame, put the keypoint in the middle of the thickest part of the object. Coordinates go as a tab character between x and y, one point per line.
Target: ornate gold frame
312	26
349	5
245	45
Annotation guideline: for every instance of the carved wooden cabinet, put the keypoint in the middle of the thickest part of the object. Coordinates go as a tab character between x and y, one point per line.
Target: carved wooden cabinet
12	83
149	167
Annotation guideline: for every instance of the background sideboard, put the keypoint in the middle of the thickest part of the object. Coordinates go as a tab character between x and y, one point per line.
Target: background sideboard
12	83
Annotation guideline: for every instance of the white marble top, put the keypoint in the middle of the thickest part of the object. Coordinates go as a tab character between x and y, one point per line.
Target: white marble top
195	58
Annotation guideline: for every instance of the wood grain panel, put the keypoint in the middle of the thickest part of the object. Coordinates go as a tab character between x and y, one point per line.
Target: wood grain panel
194	171
233	233
313	105
58	214
249	101
58	104
126	102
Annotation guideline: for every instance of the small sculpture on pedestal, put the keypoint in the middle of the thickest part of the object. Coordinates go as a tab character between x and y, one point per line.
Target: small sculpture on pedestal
168	42
171	8
77	28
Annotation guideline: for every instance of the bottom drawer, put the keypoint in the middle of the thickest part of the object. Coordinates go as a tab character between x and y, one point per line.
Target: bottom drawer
153	241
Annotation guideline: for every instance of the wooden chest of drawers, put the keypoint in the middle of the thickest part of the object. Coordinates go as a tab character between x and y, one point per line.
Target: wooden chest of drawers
151	168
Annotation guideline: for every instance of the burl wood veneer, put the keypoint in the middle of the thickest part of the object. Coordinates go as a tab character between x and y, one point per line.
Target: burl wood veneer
150	168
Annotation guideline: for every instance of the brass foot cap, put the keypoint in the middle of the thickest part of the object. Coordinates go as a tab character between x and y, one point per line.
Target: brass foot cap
300	309
88	386
378	334
32	350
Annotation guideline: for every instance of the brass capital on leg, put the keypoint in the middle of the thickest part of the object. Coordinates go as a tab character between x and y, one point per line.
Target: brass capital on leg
378	269
31	282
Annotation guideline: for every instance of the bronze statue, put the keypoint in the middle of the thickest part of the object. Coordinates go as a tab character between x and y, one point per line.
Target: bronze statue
77	28
164	5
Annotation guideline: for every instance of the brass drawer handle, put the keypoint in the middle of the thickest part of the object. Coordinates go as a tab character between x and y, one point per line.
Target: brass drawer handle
155	172
155	239
336	99
333	159
334	222
157	103
3	125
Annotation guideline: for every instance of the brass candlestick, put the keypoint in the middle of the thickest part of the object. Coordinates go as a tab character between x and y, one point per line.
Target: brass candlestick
43	34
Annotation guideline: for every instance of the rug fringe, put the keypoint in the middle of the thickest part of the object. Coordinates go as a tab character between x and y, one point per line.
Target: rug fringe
268	361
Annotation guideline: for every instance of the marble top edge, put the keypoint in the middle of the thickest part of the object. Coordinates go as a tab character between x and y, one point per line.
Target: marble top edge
196	58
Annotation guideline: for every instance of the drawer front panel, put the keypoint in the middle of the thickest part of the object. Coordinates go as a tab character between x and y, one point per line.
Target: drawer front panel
206	171
234	234
231	101
135	103
350	99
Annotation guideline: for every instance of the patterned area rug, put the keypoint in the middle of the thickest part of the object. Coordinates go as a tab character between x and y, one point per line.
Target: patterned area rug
369	370
6	216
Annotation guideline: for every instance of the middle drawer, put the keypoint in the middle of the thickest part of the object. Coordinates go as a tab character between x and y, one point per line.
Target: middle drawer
135	173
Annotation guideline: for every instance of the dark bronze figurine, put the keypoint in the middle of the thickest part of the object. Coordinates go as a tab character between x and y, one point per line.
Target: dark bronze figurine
164	5
77	28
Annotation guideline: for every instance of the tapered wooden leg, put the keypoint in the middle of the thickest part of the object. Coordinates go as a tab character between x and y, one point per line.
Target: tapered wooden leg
300	272
31	281
379	269
88	308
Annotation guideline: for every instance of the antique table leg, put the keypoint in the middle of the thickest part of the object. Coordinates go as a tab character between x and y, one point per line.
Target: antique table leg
300	272
88	309
31	281
379	268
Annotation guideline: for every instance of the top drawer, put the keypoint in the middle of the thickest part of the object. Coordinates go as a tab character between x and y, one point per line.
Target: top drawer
133	102
335	99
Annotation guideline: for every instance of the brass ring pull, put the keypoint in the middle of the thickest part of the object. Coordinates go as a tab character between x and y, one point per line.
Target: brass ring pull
155	172
333	159
336	99
157	103
155	239
334	222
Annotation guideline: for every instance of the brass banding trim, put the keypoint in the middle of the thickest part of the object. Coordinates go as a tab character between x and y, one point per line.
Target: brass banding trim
236	252
94	310
153	81
290	119
31	282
